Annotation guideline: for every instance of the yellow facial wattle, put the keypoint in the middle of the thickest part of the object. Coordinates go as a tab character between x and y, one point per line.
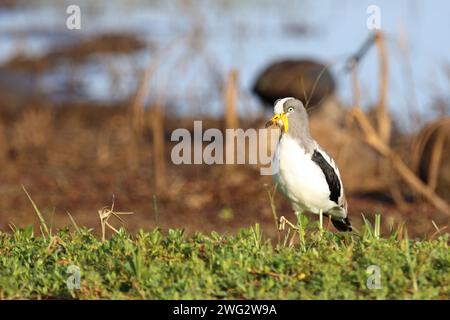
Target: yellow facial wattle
284	118
276	118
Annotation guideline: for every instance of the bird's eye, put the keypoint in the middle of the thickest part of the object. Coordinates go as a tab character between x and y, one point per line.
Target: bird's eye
291	109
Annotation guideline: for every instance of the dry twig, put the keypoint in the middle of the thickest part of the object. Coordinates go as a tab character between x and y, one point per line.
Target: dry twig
106	213
371	137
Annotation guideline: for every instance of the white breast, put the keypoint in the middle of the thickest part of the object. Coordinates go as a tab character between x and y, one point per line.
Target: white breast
300	179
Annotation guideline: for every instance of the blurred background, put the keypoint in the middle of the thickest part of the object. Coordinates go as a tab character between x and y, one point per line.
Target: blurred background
86	115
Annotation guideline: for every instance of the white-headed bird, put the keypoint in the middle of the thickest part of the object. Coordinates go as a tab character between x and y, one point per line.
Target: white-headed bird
303	171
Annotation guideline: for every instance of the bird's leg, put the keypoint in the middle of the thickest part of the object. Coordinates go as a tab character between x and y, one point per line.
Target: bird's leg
320	220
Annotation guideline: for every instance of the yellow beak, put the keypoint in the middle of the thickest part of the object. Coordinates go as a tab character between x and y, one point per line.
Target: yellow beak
279	119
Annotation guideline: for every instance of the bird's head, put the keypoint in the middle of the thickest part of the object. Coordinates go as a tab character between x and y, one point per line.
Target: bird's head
288	110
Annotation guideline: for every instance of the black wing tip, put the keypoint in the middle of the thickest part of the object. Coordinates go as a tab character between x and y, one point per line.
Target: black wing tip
333	181
343	225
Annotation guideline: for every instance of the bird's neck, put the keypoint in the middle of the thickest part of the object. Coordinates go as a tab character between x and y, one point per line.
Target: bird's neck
303	137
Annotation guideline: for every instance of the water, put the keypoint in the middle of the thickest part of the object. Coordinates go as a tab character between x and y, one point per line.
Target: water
246	35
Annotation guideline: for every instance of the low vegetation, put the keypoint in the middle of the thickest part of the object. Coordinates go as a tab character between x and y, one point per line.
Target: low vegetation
171	265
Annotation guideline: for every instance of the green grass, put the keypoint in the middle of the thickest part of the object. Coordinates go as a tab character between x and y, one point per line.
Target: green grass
153	265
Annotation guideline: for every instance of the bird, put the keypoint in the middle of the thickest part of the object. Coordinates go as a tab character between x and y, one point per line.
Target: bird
302	171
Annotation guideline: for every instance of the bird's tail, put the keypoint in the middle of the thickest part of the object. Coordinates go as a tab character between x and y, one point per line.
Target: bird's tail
342	225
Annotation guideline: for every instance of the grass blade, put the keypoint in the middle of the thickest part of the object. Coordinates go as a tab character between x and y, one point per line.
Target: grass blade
38	213
73	221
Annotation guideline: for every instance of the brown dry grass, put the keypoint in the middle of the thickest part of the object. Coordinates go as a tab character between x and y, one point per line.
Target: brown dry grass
75	159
